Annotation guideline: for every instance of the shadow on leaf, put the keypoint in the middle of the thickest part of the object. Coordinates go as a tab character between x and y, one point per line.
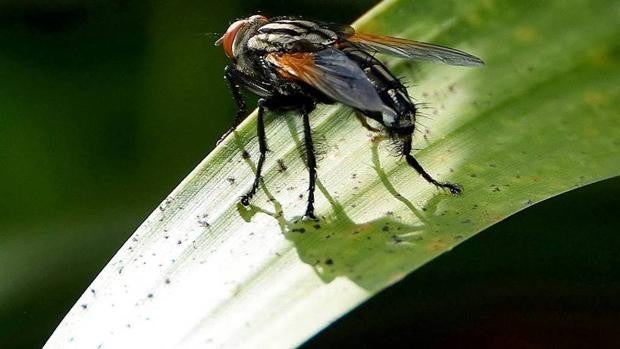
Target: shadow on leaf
336	245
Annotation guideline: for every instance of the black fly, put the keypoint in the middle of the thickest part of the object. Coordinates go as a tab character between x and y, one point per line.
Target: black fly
293	64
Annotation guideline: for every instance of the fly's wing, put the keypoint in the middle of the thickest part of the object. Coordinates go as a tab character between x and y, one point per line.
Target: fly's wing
403	48
414	50
339	29
331	72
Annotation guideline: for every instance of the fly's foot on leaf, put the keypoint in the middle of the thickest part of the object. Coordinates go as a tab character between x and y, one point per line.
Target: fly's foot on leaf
454	189
245	201
310	216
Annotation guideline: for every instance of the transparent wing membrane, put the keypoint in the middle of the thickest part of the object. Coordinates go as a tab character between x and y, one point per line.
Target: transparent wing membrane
414	50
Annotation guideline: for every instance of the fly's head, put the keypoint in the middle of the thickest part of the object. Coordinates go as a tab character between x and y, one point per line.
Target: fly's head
238	34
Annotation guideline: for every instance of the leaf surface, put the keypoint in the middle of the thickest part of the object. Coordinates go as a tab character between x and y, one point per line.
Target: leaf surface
538	120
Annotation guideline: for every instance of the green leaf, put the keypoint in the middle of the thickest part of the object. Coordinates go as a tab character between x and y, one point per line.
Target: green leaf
538	120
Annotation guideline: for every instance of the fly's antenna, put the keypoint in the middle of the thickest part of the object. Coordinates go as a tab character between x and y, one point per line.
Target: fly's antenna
211	36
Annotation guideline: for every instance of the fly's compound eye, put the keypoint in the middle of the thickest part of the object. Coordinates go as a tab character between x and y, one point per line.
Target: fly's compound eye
228	39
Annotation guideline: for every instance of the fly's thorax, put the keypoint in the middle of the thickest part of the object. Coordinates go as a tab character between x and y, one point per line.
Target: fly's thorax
291	35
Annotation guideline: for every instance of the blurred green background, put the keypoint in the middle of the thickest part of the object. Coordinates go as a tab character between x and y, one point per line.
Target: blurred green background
105	106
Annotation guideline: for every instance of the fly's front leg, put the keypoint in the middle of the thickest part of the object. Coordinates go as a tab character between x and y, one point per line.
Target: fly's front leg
406	151
262	147
311	161
233	85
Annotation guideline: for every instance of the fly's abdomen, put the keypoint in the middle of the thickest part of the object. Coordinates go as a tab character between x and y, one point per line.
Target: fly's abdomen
392	92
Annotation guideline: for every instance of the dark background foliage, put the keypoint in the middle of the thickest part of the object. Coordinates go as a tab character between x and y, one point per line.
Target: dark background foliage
106	105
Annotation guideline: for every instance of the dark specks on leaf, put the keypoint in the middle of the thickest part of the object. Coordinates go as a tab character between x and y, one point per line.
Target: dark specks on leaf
165	204
202	220
281	166
84	306
231	180
245	154
167	281
298	230
150	295
329	261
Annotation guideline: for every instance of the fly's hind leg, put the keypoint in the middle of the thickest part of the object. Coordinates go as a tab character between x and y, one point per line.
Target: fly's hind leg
455	189
262	147
311	161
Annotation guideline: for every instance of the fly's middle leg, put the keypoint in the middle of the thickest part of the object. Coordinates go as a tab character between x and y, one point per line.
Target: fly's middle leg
262	147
